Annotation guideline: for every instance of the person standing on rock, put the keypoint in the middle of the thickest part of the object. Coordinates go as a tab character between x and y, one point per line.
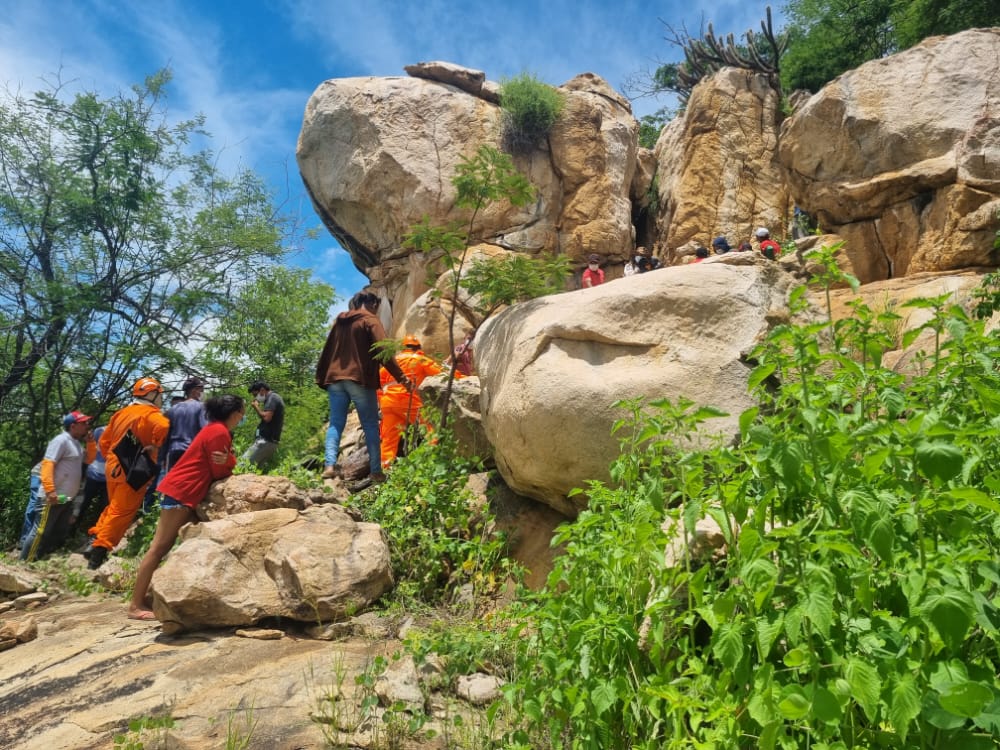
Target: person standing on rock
401	405
348	371
147	424
462	358
209	458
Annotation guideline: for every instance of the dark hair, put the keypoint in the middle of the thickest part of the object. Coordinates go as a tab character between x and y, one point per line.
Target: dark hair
701	252
220	408
191	383
258	385
365	299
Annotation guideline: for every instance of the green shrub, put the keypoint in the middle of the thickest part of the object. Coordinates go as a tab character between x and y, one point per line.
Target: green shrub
858	603
530	109
438	539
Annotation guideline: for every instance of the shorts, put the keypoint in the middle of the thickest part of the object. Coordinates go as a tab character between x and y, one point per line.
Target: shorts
169	503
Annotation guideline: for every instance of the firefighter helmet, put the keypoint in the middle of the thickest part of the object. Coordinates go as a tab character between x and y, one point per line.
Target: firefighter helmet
145	386
411	342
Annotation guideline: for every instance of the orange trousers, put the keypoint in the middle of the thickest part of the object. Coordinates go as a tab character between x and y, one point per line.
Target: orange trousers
123	504
394	423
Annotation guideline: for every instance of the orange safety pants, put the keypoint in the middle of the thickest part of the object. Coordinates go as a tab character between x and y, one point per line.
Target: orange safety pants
123	504
394	423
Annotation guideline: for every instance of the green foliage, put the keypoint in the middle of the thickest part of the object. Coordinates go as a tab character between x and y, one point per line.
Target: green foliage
486	179
650	126
121	246
530	109
142	730
829	37
438	540
15	486
857	602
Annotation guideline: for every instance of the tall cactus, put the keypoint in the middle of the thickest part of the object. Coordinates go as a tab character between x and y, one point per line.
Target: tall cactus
762	53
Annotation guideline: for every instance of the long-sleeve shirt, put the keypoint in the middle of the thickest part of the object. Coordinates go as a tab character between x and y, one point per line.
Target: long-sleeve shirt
347	354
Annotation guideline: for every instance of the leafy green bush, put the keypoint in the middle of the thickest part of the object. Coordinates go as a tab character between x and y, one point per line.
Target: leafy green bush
14	491
857	603
438	539
530	109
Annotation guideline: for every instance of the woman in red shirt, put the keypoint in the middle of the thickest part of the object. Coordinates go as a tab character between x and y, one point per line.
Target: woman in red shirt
209	457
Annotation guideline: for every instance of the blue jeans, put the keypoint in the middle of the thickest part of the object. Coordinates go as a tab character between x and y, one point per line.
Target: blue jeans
341	394
32	514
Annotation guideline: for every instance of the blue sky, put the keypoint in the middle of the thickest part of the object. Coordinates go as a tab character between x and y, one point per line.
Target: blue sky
250	66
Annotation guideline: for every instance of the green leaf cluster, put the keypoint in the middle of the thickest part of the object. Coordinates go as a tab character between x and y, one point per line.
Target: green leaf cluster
857	604
530	109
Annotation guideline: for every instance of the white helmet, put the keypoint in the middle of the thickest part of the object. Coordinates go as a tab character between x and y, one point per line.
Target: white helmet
761	233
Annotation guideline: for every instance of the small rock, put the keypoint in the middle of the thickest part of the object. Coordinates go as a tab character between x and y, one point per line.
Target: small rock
25	630
330	631
261	634
7	643
18	581
6	607
478	689
399	684
36	598
370	625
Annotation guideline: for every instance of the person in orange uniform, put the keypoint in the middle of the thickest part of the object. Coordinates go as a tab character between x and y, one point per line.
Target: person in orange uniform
144	418
400	407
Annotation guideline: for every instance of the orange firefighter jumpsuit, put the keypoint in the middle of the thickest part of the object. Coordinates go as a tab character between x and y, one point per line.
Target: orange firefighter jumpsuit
399	407
150	426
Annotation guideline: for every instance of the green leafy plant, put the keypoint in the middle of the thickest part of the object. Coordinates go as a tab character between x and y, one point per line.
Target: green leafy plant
530	109
142	730
856	605
437	539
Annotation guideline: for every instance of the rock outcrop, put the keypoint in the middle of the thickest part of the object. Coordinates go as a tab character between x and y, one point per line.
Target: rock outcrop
378	154
554	366
314	565
901	157
717	166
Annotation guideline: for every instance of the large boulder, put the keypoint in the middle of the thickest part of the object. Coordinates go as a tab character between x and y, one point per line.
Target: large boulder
314	565
717	167
552	368
378	154
910	179
245	493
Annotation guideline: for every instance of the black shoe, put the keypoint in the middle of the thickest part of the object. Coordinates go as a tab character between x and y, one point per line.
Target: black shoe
97	556
363	484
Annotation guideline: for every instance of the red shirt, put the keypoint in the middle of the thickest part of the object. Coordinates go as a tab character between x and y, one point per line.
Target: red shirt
188	480
771	245
596	277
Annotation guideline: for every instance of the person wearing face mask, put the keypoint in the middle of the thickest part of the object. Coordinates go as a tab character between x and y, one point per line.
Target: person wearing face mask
593	274
271	409
147	423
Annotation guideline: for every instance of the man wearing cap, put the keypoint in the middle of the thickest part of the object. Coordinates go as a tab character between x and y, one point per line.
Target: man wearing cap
720	245
186	420
768	247
593	274
61	475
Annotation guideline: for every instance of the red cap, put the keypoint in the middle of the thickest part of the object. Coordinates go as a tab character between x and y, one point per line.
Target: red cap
75	417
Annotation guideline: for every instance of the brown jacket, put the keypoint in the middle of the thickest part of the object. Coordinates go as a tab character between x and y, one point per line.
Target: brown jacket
348	351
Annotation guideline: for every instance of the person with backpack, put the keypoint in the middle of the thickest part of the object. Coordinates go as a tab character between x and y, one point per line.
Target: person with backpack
768	247
141	422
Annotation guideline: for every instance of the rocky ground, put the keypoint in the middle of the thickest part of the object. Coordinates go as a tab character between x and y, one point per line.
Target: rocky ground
90	670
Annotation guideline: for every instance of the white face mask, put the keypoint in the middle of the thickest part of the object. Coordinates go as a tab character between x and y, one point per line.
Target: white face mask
593	266
259	398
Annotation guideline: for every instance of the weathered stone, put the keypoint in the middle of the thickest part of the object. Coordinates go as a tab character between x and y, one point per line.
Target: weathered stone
905	178
26	600
15	580
717	168
467	79
312	566
478	689
244	493
400	684
260	634
464	420
677	332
